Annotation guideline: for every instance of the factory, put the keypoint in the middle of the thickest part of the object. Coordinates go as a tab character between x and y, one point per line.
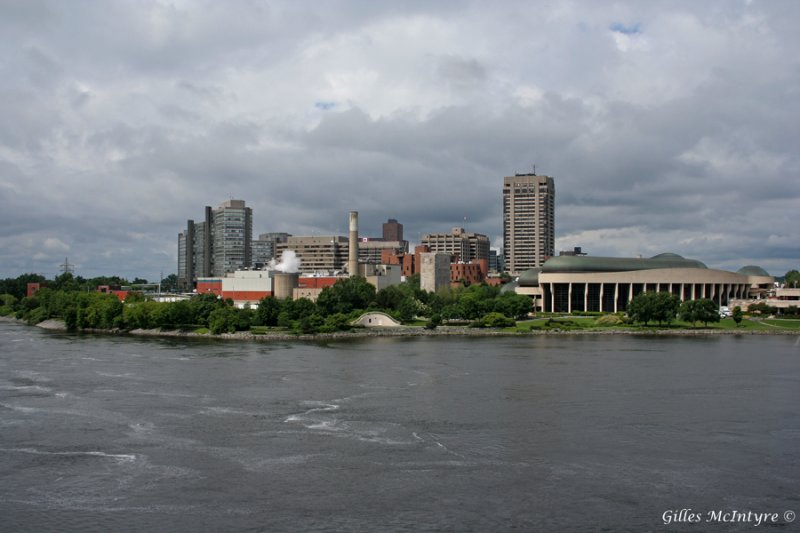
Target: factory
287	278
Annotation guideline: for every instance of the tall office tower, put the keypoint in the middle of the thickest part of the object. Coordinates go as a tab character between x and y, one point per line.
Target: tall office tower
528	221
392	230
232	236
462	245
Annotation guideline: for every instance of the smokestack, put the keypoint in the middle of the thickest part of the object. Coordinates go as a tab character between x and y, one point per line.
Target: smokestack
352	258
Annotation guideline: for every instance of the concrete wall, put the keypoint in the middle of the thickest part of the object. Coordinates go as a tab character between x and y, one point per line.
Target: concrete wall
434	271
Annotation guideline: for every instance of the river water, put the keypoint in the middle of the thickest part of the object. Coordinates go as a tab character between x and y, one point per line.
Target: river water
544	433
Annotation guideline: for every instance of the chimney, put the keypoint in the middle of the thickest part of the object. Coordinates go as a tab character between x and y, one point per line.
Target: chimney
352	258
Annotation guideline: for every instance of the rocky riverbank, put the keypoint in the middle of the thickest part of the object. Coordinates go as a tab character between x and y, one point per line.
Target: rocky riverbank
409	331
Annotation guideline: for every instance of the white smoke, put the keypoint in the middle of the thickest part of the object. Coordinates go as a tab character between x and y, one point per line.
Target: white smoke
289	263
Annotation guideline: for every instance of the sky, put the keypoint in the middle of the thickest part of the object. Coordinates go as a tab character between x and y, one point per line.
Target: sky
668	126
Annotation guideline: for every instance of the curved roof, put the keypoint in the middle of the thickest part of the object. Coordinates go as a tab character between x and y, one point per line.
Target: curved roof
577	263
752	270
529	278
510	286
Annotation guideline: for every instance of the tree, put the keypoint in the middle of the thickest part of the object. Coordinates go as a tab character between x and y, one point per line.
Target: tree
18	287
792	279
267	313
170	283
223	320
346	295
737	315
702	310
659	306
512	305
389	298
642	308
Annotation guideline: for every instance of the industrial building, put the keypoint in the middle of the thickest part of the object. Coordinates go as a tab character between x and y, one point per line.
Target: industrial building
326	253
263	248
584	283
528	221
462	245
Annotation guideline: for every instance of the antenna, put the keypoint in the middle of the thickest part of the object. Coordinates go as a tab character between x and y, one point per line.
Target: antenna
534	169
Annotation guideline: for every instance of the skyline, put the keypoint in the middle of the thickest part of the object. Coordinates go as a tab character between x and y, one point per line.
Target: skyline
668	126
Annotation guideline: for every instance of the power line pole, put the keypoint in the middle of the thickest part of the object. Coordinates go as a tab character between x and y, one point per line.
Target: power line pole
67	267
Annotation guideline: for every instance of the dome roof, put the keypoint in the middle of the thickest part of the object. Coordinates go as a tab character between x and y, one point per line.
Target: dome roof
568	263
753	270
529	278
667	255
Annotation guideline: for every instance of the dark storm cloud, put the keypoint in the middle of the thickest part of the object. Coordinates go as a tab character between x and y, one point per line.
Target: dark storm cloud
668	126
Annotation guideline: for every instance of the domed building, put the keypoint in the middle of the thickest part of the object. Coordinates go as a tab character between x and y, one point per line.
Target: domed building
569	283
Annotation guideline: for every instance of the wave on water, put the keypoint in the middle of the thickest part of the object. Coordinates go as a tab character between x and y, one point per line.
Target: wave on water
120	457
25	388
110	375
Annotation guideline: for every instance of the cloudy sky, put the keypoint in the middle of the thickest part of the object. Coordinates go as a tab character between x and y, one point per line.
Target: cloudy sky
668	126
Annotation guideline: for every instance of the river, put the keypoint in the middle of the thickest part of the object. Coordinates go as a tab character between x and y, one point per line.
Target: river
541	433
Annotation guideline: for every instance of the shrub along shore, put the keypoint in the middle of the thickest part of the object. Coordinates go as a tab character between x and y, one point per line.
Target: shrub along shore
420	331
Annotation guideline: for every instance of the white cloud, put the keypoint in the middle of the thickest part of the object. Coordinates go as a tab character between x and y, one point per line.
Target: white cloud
666	125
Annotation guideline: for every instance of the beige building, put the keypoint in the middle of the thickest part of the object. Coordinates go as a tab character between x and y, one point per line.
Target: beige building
317	254
528	221
463	245
434	271
606	284
369	251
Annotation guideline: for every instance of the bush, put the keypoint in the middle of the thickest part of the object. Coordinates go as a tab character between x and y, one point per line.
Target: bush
433	322
609	320
494	320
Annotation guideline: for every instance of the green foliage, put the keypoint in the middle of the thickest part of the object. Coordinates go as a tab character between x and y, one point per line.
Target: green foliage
223	320
170	283
336	322
433	322
702	310
513	305
609	320
18	287
792	279
346	295
761	308
203	305
8	304
737	315
267	313
494	320
406	310
654	306
390	297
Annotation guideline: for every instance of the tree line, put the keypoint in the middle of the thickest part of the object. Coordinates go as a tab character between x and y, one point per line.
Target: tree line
336	307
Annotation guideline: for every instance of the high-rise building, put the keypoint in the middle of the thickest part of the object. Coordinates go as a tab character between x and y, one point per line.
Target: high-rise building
392	230
232	236
528	221
219	244
462	245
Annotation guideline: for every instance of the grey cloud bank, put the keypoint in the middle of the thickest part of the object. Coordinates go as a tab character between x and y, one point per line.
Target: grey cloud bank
668	126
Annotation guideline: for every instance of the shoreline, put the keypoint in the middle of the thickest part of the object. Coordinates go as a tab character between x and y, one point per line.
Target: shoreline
405	331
